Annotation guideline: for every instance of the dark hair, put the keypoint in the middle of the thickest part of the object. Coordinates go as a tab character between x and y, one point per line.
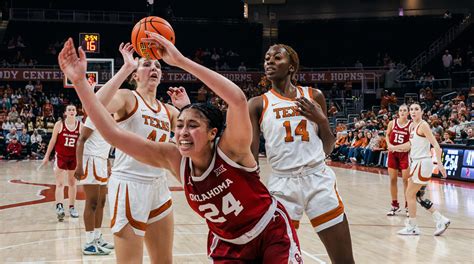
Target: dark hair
214	116
294	60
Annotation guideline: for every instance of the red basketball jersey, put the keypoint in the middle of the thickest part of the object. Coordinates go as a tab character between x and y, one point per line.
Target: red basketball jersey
66	141
400	134
231	197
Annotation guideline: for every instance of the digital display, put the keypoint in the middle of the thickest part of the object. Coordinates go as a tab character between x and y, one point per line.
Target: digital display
459	163
90	42
468	159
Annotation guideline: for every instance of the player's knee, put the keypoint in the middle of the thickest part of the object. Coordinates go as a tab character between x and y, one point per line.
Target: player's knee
60	184
93	205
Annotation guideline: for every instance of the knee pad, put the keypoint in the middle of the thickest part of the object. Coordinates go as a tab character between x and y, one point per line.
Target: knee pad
425	203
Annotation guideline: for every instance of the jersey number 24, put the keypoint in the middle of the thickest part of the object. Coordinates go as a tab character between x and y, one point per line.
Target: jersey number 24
229	205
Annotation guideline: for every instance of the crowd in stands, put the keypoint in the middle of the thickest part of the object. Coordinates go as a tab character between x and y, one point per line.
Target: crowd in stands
27	118
219	60
363	140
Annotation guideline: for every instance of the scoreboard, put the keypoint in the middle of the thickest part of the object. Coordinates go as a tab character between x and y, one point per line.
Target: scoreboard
458	161
90	42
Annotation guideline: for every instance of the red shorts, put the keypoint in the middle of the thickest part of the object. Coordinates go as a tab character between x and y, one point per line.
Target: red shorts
66	162
278	243
398	160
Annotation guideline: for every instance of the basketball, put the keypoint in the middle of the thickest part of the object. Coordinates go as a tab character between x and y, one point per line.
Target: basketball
153	24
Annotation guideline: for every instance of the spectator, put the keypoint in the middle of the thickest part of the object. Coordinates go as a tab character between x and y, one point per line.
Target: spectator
332	112
35	140
470	133
6	103
202	94
13	114
19	125
457	62
29	87
376	145
14	149
242	67
25	141
447	62
11	135
7	126
40	151
47	109
447	138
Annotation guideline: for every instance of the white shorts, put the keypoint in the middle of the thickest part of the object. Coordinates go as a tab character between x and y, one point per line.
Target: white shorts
138	203
95	171
421	170
312	191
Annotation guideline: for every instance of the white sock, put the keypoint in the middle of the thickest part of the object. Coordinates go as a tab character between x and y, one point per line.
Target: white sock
90	236
436	215
412	221
97	233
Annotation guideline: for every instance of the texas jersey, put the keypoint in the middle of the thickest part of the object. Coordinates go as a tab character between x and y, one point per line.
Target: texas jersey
95	144
230	197
420	145
291	140
67	139
149	123
400	134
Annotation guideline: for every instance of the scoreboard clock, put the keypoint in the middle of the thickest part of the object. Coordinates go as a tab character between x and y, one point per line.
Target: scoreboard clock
90	42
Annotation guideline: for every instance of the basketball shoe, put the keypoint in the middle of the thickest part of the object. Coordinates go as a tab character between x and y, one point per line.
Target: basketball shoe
409	230
94	249
73	212
60	212
441	225
395	209
104	244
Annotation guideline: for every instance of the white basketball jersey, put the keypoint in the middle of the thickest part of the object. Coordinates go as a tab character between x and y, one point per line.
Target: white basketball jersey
149	123
420	146
95	145
291	140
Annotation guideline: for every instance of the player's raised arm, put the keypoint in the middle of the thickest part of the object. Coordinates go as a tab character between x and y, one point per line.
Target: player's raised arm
152	153
238	133
109	95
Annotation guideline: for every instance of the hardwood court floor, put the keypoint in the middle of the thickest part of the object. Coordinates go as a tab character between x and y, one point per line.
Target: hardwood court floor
29	231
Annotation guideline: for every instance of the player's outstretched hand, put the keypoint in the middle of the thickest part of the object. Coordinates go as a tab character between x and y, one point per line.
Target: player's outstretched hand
166	50
311	110
72	65
127	53
442	169
178	96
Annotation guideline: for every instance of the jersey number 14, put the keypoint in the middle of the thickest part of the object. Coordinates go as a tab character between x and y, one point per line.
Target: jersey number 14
300	130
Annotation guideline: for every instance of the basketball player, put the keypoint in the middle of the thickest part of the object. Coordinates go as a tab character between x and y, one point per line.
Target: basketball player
421	169
63	140
297	135
92	154
220	177
398	133
142	211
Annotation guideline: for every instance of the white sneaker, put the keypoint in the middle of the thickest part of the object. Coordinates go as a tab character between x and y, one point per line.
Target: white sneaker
441	226
73	212
60	213
409	230
393	211
94	249
104	244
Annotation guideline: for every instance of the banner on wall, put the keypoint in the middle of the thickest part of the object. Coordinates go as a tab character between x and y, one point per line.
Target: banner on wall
50	75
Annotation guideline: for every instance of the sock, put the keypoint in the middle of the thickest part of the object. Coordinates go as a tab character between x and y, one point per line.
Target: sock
71	206
59	205
412	221
97	233
89	237
395	203
436	215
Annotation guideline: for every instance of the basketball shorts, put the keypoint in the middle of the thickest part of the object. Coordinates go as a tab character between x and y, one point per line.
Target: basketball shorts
278	243
398	160
421	170
138	203
312	191
65	162
95	170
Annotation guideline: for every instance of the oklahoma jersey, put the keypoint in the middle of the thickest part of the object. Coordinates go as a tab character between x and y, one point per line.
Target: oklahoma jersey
400	134
291	140
66	141
235	203
149	123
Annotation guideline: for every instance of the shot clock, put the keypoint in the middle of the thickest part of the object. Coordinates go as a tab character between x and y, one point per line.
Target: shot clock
459	162
90	42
